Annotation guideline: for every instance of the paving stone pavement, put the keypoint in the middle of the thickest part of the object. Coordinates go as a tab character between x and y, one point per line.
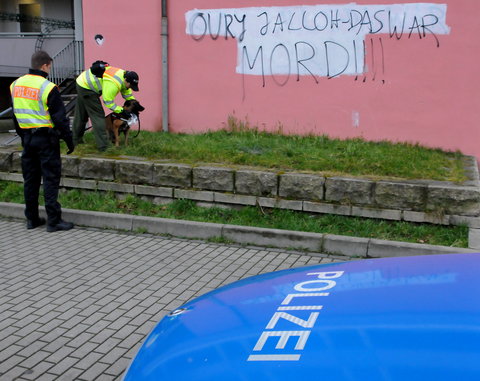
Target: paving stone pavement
76	305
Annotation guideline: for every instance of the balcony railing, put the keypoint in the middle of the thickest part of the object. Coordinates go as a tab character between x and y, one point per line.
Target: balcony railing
67	63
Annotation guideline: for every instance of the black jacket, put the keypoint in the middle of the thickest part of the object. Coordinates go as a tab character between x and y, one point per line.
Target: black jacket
56	108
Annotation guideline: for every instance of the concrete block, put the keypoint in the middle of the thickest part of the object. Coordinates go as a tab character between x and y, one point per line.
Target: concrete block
422	217
71	166
96	168
193	195
256	183
17	177
134	172
471	170
318	207
154	191
213	178
381	248
349	191
177	228
273	237
78	183
454	200
267	202
172	175
474	238
98	219
472	222
394	195
9	209
299	186
5	160
345	245
16	162
385	214
115	187
289	204
228	198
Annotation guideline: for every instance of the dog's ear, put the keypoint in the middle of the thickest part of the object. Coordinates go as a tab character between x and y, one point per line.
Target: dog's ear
127	103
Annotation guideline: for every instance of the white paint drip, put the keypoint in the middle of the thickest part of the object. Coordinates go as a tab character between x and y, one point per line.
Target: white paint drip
355	119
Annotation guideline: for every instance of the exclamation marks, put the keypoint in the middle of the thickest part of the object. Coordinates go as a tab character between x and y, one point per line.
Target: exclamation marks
373	62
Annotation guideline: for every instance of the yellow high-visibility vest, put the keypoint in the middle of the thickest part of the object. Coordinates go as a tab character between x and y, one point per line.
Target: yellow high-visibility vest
109	86
29	94
89	81
115	75
113	84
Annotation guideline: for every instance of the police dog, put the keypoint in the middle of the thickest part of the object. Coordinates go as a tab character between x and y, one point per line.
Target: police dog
117	123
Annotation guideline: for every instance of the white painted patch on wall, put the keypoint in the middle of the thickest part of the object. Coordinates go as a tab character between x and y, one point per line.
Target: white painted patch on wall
317	40
355	119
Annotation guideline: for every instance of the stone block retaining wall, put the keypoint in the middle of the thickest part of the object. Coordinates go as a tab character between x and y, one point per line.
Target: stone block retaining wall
414	201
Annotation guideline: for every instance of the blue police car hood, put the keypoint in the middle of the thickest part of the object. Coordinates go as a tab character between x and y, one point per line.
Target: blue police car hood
411	318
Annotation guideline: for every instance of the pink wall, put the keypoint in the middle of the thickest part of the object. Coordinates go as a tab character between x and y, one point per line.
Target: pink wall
412	90
132	41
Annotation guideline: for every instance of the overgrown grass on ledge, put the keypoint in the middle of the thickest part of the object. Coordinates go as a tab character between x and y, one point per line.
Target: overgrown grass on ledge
253	216
250	147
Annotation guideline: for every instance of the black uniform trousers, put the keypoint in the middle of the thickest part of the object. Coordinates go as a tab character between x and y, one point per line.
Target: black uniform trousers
41	159
89	106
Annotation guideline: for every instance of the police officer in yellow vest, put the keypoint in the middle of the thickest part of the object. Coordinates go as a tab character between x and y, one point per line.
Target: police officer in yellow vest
106	81
40	121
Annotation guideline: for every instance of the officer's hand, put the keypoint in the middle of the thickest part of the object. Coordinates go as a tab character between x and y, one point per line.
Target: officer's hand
70	146
125	114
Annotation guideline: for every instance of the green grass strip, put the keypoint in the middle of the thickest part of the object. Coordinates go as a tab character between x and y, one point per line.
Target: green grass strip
274	151
252	216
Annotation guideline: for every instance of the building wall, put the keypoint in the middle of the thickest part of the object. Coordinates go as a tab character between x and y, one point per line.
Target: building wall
419	86
17	48
131	41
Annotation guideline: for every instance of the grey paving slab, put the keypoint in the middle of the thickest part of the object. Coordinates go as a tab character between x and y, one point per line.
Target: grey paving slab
76	305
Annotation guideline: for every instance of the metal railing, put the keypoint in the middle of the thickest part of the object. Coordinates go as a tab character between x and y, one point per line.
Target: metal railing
67	63
5	112
56	23
33	34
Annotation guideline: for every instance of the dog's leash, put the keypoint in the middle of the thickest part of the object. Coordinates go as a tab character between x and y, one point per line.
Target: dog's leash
138	131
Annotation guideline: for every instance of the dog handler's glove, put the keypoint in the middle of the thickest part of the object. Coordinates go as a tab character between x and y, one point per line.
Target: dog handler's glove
70	145
125	114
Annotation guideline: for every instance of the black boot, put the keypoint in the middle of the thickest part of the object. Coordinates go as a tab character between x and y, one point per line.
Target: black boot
32	224
62	225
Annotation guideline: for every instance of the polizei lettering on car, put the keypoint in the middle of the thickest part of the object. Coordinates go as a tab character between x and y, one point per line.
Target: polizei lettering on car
294	303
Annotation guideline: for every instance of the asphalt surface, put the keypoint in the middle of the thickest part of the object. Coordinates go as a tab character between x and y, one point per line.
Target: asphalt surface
77	305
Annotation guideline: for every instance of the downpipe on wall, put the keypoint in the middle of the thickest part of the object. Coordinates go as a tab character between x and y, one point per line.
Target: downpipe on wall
165	116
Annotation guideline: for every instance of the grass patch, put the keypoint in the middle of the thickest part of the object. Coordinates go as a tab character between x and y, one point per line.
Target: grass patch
252	216
250	147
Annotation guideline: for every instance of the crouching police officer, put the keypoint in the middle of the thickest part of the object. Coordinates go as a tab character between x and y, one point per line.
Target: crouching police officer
40	121
101	80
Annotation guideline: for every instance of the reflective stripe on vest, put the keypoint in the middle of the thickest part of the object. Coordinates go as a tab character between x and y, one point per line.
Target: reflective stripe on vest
115	74
29	96
110	104
89	81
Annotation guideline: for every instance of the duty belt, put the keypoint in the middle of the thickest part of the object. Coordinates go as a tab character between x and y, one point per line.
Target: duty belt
35	130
